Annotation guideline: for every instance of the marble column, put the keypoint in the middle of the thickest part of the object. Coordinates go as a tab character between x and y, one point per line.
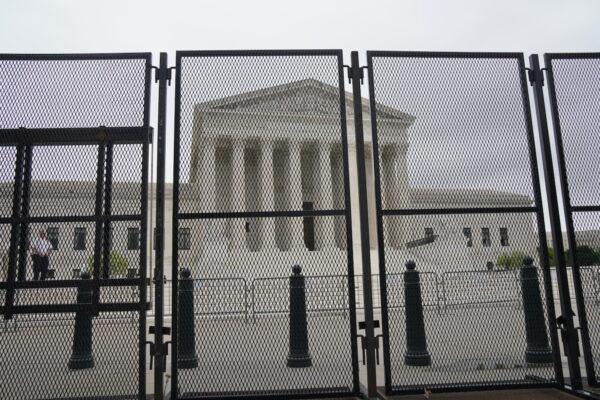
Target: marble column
396	192
238	196
206	184
295	233
268	195
324	226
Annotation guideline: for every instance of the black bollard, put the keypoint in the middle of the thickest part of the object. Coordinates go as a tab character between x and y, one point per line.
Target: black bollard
81	356
186	333
538	350
299	355
416	342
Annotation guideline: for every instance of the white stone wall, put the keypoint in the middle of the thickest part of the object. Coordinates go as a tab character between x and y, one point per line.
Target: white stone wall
239	170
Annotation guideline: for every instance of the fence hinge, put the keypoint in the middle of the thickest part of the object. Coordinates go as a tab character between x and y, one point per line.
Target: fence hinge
565	334
532	76
158	351
163	73
360	72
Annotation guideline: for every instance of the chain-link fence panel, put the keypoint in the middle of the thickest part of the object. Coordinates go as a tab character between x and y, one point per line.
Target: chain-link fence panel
261	185
74	139
457	199
574	92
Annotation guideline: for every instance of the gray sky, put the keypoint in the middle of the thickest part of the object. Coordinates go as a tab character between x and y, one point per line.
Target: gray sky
534	26
142	25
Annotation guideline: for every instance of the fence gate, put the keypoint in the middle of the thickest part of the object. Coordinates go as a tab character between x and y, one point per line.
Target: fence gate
457	193
74	145
261	185
574	93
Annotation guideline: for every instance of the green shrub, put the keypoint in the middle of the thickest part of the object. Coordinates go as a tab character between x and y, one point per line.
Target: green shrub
117	263
551	259
510	261
585	256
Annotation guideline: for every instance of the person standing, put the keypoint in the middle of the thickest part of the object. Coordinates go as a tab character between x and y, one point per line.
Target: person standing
40	253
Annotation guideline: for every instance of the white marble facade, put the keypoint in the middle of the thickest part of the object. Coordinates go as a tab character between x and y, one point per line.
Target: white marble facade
280	149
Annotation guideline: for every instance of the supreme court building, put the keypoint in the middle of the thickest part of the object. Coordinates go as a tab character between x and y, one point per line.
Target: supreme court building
280	149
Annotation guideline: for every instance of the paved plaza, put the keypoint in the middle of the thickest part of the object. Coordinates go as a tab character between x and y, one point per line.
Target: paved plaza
246	351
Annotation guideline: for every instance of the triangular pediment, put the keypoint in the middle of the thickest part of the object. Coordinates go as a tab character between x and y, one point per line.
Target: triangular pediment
307	96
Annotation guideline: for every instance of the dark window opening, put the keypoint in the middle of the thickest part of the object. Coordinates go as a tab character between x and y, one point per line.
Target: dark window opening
52	235
469	235
133	238
79	238
184	239
485	237
504	236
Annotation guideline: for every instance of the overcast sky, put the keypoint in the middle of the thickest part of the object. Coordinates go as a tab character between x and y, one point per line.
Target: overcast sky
142	25
534	26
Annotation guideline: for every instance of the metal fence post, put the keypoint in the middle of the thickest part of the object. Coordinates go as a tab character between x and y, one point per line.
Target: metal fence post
536	76
356	76
162	76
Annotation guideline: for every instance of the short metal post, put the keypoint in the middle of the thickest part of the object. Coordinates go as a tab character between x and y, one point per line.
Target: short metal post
416	341
538	349
299	355
81	356
186	332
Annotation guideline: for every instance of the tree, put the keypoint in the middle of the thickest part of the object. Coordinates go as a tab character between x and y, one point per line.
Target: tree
510	261
117	263
551	259
585	256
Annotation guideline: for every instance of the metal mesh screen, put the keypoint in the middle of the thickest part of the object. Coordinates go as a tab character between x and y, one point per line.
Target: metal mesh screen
37	350
574	90
73	91
457	194
262	186
74	141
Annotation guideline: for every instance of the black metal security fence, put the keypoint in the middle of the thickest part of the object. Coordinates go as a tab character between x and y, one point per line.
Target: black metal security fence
457	186
262	282
574	92
261	184
74	150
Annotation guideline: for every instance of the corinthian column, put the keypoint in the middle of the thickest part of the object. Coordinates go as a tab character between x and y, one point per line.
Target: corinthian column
268	195
238	196
296	234
324	226
396	192
206	184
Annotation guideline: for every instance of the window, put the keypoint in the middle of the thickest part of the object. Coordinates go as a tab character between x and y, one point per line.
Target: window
52	235
485	237
504	236
428	232
469	236
133	238
184	239
79	238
